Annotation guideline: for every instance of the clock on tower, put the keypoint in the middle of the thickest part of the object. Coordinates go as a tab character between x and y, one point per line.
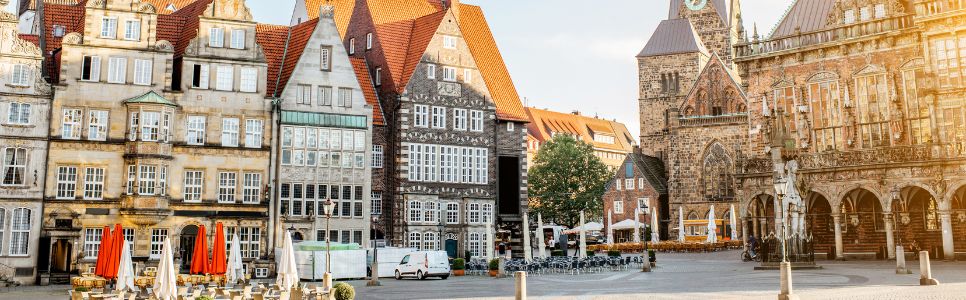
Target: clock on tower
695	4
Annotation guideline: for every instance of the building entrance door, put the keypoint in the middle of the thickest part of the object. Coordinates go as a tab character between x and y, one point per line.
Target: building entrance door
451	248
187	246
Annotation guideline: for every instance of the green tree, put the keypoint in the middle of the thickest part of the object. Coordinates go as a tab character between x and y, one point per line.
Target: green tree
566	178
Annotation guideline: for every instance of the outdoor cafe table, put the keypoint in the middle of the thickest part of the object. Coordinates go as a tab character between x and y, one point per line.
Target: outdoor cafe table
88	282
144	281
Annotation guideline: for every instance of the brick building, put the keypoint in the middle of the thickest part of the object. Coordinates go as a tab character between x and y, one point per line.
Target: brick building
611	140
639	185
862	101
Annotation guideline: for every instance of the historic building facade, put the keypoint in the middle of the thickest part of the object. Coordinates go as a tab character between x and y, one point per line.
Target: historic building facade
638	190
161	124
24	112
324	150
611	140
871	101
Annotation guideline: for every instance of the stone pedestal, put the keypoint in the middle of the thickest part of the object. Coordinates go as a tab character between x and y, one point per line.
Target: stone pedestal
839	247
925	270
521	283
787	292
501	272
901	261
327	281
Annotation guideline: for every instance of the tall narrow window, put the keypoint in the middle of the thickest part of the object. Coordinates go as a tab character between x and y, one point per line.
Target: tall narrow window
325	58
117	70
132	177
199	78
238	38
785	100
826	109
150	126
345	97
157	240
91	68
476	120
378	78
216	37
226	78
947	62
917	108
226	187
449	42
19	113
439	117
375	201
193	183
196	130
92	242
421	116
303	94
369	41
94	183
71	126
431	71
449	74
253	133
377	156
325	96
473	213
249	80
352	46
415	212
66	182
142	71
14	167
109	28
20	75
229	132
97	125
452	213
468	76
459	119
872	105
147	178
132	30
252	188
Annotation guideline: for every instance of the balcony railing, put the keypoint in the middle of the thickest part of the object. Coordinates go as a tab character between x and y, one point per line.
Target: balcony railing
869	157
926	8
824	36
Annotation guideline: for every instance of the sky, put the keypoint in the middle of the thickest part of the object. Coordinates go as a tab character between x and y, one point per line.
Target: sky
565	55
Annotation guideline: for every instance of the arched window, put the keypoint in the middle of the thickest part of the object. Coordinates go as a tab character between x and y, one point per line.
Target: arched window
718	174
826	108
872	106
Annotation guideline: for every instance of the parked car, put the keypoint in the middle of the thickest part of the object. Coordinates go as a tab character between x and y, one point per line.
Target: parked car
422	264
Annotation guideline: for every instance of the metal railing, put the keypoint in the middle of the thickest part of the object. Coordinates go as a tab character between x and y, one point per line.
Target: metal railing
805	39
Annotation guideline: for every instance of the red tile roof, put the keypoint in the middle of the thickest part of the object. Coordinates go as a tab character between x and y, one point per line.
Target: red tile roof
272	38
423	31
182	25
343	12
368	89
162	5
69	16
33	38
480	39
544	123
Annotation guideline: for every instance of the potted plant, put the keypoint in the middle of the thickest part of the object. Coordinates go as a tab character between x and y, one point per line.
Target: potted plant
494	267
459	267
344	291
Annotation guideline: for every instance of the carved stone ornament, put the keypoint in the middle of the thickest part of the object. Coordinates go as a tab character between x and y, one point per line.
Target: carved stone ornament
229	9
73	38
164	45
147	8
854	220
97	3
904	218
21	46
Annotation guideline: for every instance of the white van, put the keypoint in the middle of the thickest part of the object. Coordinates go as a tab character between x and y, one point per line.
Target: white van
422	264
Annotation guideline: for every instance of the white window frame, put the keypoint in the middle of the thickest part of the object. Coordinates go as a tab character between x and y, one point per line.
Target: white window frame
109	28
474	213
92	242
18	166
430	71
93	64
459	119
194	182
345	97
325	58
325	96
216	37
252	189
226	78
143	71
452	213
97	124
229	132
147	179
439	117
476	121
618	206
467	75
18	113
377	156
195	130
449	42
94	183
249	80
132	30
253	133
375	203
415	212
71	126
66	182
449	74
203	76
20	75
629	184
150	125
117	70
158	235
238	37
421	116
369	41
227	185
352	46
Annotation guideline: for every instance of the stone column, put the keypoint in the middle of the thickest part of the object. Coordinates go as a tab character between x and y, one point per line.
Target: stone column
949	252
890	239
756	228
744	234
837	219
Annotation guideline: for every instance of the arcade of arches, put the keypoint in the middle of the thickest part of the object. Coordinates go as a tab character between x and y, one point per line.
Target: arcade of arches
863	225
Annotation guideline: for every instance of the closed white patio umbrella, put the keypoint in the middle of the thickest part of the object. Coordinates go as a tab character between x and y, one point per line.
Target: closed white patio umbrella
166	281
655	232
681	224
583	237
125	271
543	247
288	275
236	270
734	224
712	227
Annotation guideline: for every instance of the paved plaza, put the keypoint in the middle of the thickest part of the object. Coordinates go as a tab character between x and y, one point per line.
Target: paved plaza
679	276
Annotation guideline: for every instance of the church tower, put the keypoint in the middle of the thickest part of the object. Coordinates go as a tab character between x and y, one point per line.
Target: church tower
717	22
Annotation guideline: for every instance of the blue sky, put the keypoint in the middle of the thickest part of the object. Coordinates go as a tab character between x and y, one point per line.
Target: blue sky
570	55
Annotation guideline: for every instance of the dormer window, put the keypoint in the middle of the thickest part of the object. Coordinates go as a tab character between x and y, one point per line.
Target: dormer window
378	77
59	31
352	46
238	39
369	41
325	58
109	28
132	30
216	37
449	42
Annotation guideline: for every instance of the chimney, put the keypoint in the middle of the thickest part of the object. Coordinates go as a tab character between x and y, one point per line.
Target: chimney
452	5
576	112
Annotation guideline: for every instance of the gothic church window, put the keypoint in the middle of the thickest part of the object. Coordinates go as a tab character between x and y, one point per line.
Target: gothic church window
872	101
826	108
717	174
785	101
917	108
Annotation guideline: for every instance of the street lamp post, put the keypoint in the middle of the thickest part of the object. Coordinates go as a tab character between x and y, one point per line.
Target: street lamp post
327	208
780	189
646	266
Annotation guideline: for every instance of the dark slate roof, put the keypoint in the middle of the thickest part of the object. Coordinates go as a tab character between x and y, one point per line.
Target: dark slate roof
653	170
807	15
722	6
673	37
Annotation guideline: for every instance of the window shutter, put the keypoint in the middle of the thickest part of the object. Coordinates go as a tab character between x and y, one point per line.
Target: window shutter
204	77
95	68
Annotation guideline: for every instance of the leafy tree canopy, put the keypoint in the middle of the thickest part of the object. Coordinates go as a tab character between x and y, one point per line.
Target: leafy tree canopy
566	177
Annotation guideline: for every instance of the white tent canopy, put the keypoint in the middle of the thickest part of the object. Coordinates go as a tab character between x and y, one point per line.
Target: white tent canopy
627	224
589	226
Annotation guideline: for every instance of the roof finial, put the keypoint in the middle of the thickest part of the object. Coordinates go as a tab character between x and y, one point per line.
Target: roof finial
327	11
755	36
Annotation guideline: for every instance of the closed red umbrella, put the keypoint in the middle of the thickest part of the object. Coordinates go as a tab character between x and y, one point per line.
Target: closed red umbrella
102	251
199	260
114	255
219	258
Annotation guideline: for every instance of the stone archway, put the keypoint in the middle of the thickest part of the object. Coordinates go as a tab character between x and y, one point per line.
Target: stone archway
918	221
863	225
821	225
187	245
761	216
958	219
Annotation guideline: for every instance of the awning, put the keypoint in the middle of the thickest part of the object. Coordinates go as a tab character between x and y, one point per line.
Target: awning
627	224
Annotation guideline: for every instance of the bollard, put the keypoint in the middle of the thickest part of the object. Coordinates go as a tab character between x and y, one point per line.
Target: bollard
925	270
787	293
901	261
327	281
521	285
501	271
